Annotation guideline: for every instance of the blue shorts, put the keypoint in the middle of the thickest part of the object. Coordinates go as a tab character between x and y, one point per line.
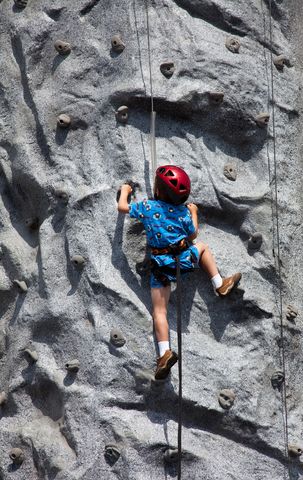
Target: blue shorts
189	260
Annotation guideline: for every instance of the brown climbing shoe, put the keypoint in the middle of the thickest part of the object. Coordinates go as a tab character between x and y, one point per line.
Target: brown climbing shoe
228	284
165	363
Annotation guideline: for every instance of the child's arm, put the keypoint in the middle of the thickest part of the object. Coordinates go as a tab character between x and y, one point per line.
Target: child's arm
194	215
123	203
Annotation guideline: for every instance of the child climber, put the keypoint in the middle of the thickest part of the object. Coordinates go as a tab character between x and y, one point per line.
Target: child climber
170	228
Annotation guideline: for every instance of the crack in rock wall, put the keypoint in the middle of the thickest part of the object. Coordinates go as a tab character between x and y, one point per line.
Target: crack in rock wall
72	269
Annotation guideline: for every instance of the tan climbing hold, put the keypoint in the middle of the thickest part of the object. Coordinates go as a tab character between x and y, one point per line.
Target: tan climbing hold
122	114
280	62
112	453
72	365
32	355
64	121
3	398
255	241
215	98
117	44
78	260
277	379
17	456
171	455
230	171
21	285
232	44
117	338
21	3
62	47
167	69
294	451
262	120
291	313
226	398
62	195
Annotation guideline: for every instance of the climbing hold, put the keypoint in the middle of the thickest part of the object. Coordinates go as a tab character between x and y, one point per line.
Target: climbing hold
291	313
255	241
294	451
72	365
112	453
262	120
171	455
62	195
21	285
230	171
17	456
117	338
215	98
3	398
32	223
21	3
167	69
226	398
122	114
78	261
117	44
32	355
280	62
277	379
64	121
63	48
232	44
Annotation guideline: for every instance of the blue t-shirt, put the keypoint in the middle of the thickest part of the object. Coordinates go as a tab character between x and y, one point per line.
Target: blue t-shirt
164	223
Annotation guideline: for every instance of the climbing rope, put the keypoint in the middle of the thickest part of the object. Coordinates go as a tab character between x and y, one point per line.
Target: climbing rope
179	333
276	215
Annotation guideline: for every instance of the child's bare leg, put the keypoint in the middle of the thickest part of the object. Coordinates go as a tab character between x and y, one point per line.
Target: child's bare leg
160	298
207	261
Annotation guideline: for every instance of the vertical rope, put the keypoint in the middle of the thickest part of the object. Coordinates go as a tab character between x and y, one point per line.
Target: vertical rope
179	330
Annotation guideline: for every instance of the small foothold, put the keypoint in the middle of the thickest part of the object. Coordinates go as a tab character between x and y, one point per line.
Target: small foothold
63	48
277	379
294	451
78	260
230	171
117	338
233	44
21	3
171	455
255	241
3	398
62	195
291	313
21	285
262	120
72	365
215	98
32	223
167	69
17	456
117	44
122	114
280	62
226	398
31	354
112	453
64	121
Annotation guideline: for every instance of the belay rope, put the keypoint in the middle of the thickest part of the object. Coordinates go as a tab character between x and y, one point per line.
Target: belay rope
178	276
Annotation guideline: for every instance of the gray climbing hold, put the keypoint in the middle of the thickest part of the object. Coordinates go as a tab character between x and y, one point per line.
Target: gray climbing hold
255	241
62	195
3	398
17	456
63	48
64	121
32	355
277	379
171	455
122	114
280	62
32	223
294	451
117	338
21	285
232	44
72	365
21	3
78	261
226	398
112	453
230	171
215	98
117	44
262	120
167	69
291	313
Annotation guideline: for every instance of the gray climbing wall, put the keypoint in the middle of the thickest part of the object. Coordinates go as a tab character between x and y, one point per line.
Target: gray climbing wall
72	269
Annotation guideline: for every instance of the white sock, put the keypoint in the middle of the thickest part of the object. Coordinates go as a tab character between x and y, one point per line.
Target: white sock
163	346
216	281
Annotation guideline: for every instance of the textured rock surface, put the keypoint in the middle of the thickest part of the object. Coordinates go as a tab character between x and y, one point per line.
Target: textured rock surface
65	181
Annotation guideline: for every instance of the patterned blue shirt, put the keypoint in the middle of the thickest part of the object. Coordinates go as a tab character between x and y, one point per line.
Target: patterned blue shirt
164	223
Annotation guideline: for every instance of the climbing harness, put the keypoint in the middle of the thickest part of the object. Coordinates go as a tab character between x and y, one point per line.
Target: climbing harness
173	249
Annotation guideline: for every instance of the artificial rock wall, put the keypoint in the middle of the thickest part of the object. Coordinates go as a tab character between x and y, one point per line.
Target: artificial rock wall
72	269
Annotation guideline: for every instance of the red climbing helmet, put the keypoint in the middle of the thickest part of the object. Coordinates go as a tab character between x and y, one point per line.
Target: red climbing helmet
173	182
